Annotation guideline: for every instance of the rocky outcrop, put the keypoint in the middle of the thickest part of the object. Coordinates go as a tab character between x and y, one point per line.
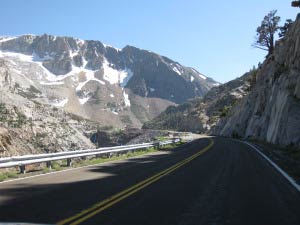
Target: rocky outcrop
202	114
27	126
271	110
5	140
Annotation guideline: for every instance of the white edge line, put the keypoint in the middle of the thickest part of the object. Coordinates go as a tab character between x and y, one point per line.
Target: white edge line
283	173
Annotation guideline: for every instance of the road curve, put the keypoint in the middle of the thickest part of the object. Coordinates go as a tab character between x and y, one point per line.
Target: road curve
209	181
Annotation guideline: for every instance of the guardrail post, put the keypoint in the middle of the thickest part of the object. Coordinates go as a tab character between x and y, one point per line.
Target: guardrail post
22	169
69	162
157	145
49	165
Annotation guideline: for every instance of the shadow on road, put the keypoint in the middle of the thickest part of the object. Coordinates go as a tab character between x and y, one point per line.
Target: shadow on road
56	196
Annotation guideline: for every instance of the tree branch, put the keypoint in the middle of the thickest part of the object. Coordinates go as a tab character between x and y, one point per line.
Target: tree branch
256	46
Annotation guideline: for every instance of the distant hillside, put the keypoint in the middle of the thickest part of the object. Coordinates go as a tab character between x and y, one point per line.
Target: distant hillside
202	114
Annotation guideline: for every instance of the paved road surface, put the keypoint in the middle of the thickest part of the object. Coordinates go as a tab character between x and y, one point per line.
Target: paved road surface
224	182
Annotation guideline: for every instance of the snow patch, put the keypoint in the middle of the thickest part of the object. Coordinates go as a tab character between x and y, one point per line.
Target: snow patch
52	83
61	103
202	76
12	62
80	42
73	53
82	84
192	78
39	61
199	74
194	70
19	56
126	99
152	89
54	79
4	39
112	95
89	74
114	76
83	100
177	68
109	46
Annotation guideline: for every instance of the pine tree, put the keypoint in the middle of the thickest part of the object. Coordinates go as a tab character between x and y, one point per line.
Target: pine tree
266	32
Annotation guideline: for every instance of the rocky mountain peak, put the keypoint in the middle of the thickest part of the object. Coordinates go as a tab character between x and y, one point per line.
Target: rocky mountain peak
115	86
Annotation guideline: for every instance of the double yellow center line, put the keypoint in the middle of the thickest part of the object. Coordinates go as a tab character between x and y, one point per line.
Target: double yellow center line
101	206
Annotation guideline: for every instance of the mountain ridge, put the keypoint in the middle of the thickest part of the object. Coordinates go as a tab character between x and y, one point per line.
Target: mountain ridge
95	76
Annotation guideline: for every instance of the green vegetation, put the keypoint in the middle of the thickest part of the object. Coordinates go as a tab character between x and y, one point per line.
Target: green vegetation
126	119
170	146
161	138
111	105
172	118
114	157
8	175
265	33
285	28
30	93
9	116
105	128
253	75
21	119
225	111
56	166
176	117
4	113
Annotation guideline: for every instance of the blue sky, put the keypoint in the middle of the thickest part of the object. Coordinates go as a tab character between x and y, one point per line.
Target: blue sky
214	37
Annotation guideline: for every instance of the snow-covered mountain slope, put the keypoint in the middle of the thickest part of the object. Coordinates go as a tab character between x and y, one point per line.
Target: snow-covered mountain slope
97	81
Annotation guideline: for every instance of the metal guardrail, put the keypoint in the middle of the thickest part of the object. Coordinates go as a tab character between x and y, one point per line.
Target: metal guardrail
22	161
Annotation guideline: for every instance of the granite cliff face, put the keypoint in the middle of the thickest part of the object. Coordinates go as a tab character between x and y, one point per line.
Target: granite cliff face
119	87
270	112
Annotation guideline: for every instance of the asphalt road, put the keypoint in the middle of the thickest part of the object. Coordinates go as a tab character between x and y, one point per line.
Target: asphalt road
224	182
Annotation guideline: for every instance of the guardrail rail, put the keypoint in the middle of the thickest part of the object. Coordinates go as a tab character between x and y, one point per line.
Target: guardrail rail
22	161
